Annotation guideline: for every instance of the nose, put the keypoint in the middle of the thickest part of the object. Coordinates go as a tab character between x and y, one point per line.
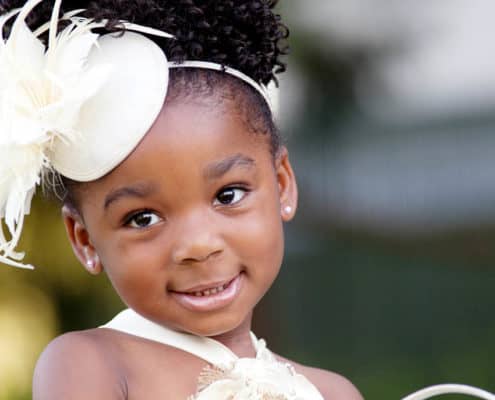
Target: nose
197	239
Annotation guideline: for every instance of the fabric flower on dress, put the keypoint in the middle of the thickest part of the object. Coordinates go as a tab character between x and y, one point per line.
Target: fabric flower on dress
42	90
260	378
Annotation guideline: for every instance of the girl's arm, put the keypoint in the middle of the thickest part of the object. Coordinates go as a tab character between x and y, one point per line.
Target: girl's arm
75	366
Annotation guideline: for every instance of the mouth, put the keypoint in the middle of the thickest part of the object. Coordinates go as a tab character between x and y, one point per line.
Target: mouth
209	292
210	297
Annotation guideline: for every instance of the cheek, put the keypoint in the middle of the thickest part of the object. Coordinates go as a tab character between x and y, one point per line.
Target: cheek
260	236
132	266
119	249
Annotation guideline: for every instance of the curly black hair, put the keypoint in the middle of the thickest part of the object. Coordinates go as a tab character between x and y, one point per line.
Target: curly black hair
246	35
243	34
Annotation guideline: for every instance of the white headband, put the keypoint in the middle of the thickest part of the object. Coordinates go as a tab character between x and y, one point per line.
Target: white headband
67	106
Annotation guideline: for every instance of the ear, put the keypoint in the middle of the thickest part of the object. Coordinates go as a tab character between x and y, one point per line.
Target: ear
286	184
79	239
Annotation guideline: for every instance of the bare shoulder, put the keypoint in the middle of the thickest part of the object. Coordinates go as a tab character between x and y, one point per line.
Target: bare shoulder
331	385
77	366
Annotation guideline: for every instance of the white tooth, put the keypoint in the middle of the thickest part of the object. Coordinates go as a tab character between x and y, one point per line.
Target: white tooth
220	289
198	294
213	291
206	292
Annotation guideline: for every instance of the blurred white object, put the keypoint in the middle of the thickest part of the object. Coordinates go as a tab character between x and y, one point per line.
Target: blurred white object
437	390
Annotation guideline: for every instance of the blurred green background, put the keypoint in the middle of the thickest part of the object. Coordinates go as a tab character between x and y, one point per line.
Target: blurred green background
388	112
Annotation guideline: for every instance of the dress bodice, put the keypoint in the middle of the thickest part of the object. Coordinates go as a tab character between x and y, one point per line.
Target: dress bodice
227	376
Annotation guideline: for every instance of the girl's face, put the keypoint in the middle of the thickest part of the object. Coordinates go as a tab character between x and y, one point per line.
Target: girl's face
189	227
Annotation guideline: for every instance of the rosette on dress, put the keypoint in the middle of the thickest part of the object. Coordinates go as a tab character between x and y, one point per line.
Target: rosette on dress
227	377
260	378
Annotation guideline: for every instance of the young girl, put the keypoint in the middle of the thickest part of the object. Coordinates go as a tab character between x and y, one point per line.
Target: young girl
155	117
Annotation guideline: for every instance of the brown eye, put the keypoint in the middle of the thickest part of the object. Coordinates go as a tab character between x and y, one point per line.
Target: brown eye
230	196
143	220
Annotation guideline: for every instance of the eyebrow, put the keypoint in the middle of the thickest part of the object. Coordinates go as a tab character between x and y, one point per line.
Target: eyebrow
139	190
217	169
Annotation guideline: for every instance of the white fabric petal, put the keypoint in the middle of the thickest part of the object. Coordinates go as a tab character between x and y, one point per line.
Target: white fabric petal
222	389
41	95
262	378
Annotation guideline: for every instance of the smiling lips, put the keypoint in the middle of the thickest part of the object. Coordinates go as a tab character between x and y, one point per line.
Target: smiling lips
212	298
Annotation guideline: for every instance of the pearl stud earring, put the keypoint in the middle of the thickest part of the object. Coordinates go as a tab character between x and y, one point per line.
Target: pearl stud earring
287	209
90	262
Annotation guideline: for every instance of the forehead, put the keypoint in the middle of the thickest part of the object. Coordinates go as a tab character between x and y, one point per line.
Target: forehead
214	87
186	139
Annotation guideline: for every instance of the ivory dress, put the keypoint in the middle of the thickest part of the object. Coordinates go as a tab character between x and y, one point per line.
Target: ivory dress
227	377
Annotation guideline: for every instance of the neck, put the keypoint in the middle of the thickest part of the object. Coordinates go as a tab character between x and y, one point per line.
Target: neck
239	339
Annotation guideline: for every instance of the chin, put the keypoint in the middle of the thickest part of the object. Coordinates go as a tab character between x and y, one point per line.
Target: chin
215	326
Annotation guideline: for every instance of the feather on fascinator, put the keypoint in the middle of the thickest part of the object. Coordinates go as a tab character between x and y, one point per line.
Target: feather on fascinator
63	106
77	106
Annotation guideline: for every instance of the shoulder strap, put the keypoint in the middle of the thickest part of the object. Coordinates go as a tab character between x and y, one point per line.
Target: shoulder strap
128	321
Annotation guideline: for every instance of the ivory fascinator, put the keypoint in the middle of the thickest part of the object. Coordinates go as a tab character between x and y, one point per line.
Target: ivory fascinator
76	106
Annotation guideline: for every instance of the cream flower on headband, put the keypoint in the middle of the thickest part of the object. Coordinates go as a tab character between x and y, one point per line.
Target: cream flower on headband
41	93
